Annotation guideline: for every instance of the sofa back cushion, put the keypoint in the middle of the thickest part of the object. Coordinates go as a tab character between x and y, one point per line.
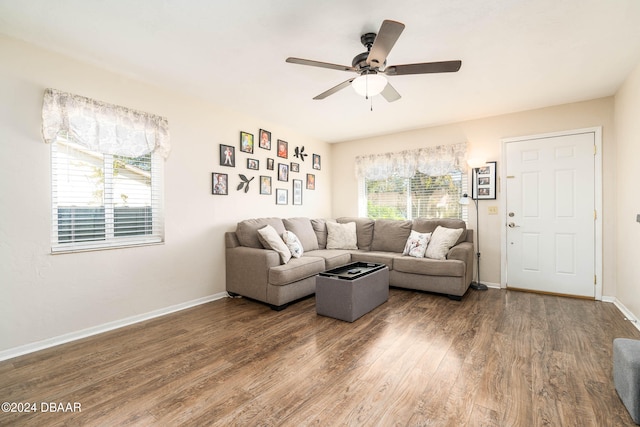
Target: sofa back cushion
303	230
364	231
320	228
426	225
247	230
390	235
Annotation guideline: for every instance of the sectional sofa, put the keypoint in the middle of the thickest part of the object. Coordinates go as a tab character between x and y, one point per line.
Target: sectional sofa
255	271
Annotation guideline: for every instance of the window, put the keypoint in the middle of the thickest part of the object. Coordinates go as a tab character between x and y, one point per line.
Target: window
106	174
102	200
424	183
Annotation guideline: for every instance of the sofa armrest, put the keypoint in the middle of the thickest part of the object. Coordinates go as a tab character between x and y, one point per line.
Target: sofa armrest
247	270
464	252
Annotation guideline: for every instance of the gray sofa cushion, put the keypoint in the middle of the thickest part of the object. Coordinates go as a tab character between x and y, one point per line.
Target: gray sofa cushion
333	257
390	235
364	230
387	258
429	267
247	230
425	225
296	269
303	229
320	228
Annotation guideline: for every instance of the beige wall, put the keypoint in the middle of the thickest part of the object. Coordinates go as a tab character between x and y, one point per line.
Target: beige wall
627	122
484	138
45	296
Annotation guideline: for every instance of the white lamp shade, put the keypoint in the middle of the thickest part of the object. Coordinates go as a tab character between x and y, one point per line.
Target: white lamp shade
369	84
476	163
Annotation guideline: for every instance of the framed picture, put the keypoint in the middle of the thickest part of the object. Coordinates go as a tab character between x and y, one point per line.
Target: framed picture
282	196
311	181
484	182
283	149
265	185
246	142
316	161
253	164
270	164
219	183
283	172
295	167
227	156
264	140
297	191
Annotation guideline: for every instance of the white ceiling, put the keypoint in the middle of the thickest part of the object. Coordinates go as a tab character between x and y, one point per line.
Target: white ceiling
516	54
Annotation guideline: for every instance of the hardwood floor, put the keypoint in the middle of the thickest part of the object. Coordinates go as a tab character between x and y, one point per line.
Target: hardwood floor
497	358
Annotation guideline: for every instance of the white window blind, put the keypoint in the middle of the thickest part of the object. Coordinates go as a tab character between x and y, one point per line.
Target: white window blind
106	174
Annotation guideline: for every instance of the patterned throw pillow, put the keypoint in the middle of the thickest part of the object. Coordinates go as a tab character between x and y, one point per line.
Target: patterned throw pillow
416	244
442	239
293	243
341	236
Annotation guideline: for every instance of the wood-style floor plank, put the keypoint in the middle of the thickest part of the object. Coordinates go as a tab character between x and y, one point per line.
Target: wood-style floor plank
497	358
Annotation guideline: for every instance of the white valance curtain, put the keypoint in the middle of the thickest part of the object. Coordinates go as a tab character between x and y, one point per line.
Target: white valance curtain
102	127
433	161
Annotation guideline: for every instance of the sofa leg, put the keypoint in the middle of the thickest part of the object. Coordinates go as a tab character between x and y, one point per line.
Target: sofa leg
278	307
455	297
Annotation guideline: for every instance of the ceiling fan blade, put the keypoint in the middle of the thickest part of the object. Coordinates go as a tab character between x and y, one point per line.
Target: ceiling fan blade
386	38
301	61
334	89
423	68
390	93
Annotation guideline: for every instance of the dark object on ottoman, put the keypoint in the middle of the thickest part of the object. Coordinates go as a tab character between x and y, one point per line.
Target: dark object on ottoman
349	292
626	374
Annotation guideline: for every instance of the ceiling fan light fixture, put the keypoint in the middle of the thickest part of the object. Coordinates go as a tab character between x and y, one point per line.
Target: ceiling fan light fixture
369	84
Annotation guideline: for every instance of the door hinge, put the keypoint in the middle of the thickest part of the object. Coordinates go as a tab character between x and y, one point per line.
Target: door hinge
595	279
595	214
595	150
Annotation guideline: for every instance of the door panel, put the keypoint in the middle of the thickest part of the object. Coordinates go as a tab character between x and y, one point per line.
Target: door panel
550	196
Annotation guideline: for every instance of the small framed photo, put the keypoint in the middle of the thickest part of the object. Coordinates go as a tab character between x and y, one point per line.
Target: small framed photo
219	183
316	161
282	196
270	164
264	140
265	185
283	149
484	182
253	164
283	172
246	142
227	156
297	191
311	181
295	167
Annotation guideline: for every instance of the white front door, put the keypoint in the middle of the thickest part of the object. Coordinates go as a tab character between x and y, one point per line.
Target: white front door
550	205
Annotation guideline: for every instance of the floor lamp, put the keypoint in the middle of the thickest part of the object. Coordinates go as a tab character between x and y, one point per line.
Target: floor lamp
477	285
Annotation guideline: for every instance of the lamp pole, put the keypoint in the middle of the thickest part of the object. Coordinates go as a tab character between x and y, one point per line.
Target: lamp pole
477	285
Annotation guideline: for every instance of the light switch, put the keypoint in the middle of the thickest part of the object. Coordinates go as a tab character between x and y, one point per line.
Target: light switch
493	210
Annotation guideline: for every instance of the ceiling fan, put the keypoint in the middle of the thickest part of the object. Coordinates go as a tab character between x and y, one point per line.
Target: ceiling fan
371	65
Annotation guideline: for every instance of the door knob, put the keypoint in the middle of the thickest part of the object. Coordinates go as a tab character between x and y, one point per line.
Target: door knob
512	225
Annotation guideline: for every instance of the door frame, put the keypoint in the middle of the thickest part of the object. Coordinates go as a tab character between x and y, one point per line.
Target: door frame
597	132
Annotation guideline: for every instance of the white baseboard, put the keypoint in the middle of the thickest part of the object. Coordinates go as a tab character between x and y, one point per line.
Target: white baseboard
624	310
73	336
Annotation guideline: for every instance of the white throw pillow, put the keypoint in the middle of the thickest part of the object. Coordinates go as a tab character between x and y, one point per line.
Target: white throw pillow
341	236
293	243
442	239
417	244
270	239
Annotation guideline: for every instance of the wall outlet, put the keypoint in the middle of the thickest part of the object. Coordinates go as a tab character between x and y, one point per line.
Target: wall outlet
493	210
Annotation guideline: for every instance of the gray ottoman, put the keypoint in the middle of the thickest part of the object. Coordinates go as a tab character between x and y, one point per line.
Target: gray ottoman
626	374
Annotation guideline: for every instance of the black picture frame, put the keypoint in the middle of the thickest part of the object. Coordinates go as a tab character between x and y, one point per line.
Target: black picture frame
227	156
265	185
311	181
283	172
295	167
246	142
317	162
270	164
219	184
283	149
253	164
483	182
297	192
282	196
264	139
